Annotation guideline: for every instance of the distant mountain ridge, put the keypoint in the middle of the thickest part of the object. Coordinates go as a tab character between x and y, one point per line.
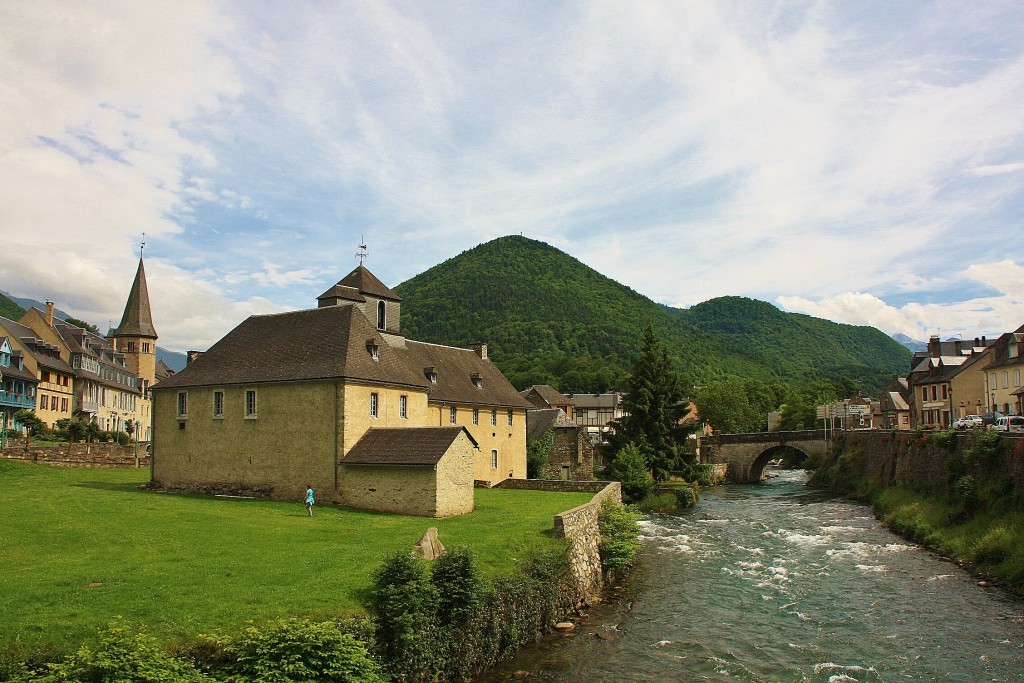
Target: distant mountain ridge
910	343
13	307
551	319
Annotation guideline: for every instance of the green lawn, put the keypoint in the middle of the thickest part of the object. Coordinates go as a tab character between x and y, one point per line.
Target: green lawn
82	546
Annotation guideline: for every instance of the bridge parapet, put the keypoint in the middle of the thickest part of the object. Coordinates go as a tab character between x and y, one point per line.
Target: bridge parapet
767	437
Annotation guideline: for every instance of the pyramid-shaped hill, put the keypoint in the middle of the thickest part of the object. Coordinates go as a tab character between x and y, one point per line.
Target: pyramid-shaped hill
550	319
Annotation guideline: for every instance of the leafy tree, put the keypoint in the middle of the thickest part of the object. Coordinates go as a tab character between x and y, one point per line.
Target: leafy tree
655	405
800	409
84	325
537	454
33	425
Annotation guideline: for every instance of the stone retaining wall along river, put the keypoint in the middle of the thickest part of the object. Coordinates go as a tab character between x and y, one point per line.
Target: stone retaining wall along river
579	526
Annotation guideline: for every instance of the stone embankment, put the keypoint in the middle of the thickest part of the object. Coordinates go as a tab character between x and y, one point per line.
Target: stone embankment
579	526
905	458
79	454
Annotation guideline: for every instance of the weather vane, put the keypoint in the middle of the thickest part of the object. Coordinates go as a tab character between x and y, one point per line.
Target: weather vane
361	254
142	245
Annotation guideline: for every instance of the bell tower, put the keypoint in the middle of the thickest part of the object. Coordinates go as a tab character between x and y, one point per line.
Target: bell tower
136	337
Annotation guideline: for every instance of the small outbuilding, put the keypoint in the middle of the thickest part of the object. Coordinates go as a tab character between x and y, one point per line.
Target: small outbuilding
425	471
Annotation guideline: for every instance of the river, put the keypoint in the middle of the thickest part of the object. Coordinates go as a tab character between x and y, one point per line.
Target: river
778	582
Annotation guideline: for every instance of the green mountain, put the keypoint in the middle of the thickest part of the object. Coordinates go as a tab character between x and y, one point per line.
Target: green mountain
9	309
550	319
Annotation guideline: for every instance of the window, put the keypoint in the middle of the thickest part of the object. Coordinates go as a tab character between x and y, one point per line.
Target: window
182	404
403	407
218	404
945	395
476	416
373	404
509	417
1016	378
129	347
934	394
494	417
44	402
452	414
250	403
1006	379
63	405
494	460
382	315
44	375
145	347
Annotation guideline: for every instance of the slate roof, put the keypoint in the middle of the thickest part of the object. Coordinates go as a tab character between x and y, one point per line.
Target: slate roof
547	394
13	370
610	400
47	355
540	420
333	343
424	446
360	281
897	401
137	320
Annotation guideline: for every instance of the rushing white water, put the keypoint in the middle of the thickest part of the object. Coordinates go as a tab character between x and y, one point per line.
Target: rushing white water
780	583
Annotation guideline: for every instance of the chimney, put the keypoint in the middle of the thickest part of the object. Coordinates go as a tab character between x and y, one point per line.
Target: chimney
958	344
977	342
49	313
934	346
983	342
480	349
191	356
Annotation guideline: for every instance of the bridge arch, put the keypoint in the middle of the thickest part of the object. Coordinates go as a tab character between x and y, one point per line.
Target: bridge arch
745	455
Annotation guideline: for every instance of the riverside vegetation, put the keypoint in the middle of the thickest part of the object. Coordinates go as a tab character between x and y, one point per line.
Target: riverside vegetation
967	508
247	590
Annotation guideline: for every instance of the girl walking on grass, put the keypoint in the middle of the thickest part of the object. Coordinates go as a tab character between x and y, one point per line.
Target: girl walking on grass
309	500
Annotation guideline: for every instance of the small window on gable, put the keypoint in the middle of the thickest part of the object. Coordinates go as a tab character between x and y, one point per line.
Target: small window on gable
431	374
374	348
382	316
478	380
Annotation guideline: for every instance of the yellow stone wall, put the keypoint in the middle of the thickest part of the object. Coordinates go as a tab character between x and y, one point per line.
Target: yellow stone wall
969	391
509	441
290	443
402	490
357	418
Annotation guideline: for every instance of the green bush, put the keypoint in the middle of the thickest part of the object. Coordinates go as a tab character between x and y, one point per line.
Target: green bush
292	650
945	438
537	454
629	467
404	602
122	656
986	445
619	537
457	581
659	502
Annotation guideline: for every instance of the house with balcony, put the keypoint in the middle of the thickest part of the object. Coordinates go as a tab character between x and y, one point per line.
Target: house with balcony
55	389
17	386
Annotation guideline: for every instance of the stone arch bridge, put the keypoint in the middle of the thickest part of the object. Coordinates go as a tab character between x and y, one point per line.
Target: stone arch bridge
745	455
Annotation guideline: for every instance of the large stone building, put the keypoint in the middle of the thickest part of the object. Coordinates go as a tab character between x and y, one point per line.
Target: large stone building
54	379
282	400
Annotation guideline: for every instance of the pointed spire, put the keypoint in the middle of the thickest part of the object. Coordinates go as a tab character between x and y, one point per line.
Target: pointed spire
137	320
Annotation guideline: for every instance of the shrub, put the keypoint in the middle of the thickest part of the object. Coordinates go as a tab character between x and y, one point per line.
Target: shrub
293	650
122	655
995	546
456	579
537	454
945	438
404	603
628	466
619	537
659	502
986	445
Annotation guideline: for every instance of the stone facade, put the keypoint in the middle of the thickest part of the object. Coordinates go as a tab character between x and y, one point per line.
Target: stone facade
746	455
79	454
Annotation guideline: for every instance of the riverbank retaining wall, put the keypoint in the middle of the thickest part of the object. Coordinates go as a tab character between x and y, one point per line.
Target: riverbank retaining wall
906	458
579	526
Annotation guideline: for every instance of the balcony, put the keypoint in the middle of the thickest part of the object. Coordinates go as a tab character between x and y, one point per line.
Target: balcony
12	400
83	406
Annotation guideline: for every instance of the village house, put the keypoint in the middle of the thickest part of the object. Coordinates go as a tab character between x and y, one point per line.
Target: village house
570	454
595	412
1003	373
284	401
54	396
17	386
543	396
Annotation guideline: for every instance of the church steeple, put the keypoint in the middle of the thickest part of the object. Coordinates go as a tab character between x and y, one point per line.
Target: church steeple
137	320
136	337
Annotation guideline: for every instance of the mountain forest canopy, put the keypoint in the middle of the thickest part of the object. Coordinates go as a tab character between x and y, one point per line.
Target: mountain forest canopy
550	319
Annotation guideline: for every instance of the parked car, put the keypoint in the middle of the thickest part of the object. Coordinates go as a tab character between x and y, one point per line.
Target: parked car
990	417
969	422
1010	423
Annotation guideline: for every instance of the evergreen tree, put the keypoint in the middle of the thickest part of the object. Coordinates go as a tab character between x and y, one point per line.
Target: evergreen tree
655	404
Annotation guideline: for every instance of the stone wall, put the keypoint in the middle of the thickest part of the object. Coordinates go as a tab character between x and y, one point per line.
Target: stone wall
79	454
579	526
571	452
905	457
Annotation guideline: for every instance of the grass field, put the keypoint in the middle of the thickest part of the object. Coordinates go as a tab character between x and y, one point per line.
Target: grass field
80	547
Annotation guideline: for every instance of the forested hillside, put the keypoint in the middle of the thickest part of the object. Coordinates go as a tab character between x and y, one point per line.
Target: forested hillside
9	309
550	319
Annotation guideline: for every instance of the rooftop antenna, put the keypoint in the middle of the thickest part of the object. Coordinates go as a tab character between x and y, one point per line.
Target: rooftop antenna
361	254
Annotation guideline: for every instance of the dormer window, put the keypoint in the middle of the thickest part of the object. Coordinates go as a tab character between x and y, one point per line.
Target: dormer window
374	348
431	373
478	380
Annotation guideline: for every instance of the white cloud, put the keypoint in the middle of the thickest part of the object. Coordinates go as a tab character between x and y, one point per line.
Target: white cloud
996	169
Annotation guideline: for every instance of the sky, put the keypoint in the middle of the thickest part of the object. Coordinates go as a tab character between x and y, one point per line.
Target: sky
858	161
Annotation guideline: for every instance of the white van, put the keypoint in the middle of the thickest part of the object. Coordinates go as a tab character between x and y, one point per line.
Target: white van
1009	423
